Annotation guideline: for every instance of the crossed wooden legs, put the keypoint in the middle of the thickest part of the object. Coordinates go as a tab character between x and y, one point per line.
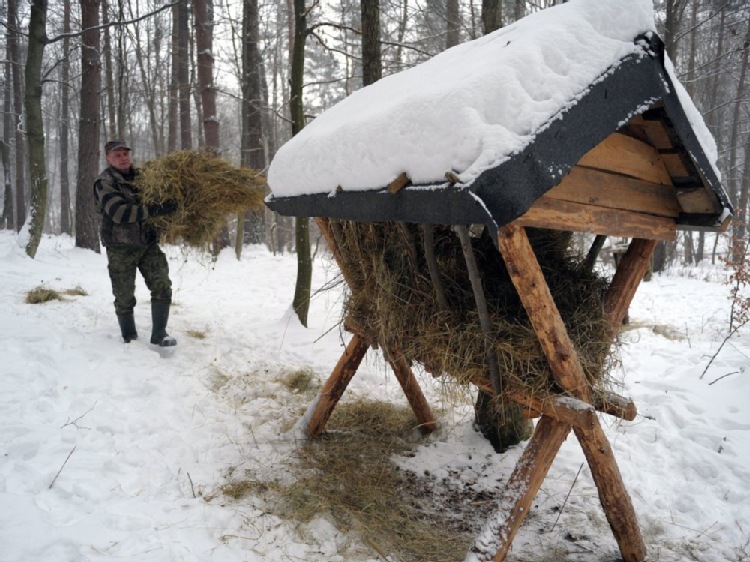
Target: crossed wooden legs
339	379
494	542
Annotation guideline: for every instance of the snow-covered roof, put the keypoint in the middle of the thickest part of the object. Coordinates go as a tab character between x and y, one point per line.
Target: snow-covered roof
507	115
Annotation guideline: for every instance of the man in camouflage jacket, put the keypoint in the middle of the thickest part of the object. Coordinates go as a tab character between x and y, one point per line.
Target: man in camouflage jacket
132	244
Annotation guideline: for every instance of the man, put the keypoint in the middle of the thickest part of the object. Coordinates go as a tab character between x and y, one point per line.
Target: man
132	244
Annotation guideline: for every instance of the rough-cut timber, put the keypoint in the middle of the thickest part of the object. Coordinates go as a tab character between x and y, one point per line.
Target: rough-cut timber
628	276
579	217
336	384
612	494
532	288
493	542
411	389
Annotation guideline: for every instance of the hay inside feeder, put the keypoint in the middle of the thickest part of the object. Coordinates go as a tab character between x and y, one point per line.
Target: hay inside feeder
393	302
207	188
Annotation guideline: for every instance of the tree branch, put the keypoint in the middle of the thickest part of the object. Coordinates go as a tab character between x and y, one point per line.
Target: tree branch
112	24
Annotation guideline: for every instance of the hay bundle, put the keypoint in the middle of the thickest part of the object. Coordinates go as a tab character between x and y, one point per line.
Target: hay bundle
207	188
393	302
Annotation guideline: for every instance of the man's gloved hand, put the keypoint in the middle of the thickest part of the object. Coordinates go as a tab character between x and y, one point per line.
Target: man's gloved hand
161	209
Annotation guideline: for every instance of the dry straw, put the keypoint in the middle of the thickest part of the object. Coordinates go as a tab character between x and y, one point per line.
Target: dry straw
350	476
207	188
393	301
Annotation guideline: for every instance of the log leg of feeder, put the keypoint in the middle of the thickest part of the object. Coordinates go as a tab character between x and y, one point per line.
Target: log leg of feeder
612	493
336	384
493	542
627	278
411	389
532	288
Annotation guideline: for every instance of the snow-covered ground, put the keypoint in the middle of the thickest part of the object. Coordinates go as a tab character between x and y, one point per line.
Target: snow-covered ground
109	451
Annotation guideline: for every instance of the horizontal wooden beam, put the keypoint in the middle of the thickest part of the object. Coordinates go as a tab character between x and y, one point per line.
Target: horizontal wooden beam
565	215
607	402
565	409
605	189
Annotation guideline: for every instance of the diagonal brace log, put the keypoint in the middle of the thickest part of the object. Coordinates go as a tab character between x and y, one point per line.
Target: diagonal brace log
561	354
496	537
411	388
335	386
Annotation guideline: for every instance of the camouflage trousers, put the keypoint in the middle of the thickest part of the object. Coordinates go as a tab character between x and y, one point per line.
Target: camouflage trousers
152	263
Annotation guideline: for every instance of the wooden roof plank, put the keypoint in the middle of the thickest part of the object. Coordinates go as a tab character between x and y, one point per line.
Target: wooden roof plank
627	156
597	187
566	215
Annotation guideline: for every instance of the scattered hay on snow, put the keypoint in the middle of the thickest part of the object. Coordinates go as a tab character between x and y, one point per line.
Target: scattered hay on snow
350	475
207	188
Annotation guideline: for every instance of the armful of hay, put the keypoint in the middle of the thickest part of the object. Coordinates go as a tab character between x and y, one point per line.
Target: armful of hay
207	189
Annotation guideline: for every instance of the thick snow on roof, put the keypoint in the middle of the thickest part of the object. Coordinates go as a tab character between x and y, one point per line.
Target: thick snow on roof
467	109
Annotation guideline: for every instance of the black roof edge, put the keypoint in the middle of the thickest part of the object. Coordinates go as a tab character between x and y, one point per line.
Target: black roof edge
417	204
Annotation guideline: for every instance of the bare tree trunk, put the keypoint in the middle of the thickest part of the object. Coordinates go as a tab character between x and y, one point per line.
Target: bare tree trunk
372	66
732	164
742	201
402	23
20	161
250	226
8	204
111	125
66	224
714	117
701	249
120	93
204	25
689	250
174	94
453	23
148	85
183	75
492	15
87	221
35	123
301	301
673	17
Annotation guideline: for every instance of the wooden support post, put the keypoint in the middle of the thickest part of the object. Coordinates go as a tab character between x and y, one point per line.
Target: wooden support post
627	278
334	387
352	357
612	493
411	389
493	542
532	288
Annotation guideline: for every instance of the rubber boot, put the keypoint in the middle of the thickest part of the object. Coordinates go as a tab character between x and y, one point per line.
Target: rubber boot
159	318
127	327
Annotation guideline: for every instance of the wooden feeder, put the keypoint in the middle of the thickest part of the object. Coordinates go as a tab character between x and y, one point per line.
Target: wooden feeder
623	161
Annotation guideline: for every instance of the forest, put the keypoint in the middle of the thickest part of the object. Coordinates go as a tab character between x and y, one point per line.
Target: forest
242	77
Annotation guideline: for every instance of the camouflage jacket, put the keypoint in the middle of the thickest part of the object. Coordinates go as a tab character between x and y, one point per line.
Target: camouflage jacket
119	203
